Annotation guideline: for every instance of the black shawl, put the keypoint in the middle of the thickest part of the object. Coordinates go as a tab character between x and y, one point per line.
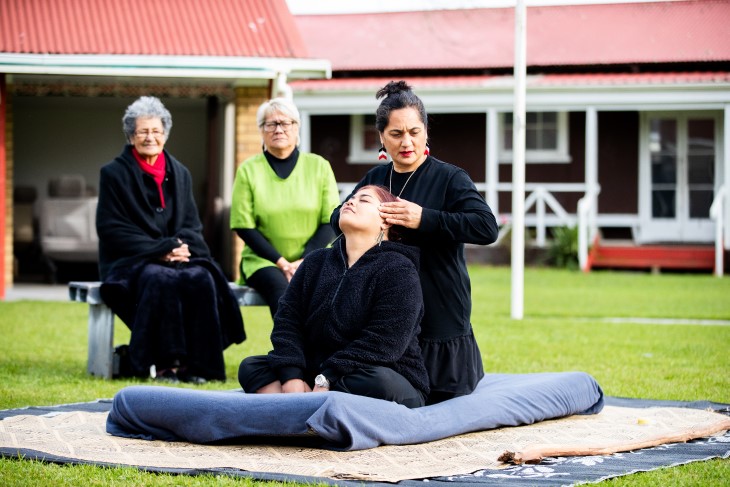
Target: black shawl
134	230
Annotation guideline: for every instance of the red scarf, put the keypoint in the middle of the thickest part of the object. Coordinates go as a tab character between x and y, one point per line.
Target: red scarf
156	170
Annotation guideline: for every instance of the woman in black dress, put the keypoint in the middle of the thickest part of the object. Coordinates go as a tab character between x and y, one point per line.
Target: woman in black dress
438	210
349	319
158	275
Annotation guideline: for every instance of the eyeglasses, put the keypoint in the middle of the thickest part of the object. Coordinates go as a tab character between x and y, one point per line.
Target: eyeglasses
285	126
155	133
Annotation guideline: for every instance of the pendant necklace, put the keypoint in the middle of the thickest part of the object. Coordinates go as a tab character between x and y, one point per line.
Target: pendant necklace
390	182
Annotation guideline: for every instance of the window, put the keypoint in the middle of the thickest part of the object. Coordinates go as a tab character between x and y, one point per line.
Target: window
546	137
364	140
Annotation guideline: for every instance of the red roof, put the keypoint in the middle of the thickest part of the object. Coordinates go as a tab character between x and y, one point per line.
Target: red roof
450	82
241	28
663	32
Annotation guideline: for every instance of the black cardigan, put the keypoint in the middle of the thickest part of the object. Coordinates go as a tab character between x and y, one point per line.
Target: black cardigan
133	231
332	320
454	213
131	228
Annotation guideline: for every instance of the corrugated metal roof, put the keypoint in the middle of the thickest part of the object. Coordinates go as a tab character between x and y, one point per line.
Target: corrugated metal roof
371	84
663	32
241	28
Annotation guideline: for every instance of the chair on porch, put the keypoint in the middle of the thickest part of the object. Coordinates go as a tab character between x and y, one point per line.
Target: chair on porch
68	222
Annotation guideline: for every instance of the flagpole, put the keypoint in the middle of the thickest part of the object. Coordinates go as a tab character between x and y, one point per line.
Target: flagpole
518	164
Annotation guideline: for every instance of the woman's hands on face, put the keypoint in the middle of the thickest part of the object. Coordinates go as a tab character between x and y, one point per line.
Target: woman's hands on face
401	212
179	254
295	385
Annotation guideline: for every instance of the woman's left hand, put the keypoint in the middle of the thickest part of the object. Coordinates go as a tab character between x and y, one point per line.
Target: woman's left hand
295	385
179	254
288	268
401	212
295	265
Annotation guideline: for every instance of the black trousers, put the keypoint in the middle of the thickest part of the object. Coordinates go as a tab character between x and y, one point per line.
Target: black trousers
270	284
372	381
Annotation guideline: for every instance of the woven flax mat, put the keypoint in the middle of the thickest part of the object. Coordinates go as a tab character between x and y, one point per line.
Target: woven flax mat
81	435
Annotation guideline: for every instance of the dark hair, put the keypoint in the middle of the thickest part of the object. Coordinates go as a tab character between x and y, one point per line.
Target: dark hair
396	95
385	196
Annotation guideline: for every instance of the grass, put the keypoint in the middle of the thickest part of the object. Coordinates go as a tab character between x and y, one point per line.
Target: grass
43	355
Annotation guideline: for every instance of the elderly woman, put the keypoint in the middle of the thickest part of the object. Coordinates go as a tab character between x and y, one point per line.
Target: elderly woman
438	210
157	273
349	320
282	200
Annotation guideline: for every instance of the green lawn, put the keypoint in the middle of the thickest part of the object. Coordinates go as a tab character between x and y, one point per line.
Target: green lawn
43	354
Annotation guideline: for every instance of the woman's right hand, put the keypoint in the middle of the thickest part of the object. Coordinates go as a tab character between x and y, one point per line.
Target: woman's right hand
401	212
295	385
180	254
286	267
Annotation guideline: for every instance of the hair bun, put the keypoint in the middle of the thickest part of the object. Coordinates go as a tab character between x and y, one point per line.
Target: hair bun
392	88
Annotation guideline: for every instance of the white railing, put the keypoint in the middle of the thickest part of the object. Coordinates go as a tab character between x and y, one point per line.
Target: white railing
540	197
587	227
717	213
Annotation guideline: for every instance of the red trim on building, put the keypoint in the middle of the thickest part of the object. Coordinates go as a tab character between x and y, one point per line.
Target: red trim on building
573	80
616	79
653	257
378	82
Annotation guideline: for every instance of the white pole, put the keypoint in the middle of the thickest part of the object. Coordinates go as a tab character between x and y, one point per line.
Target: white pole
305	133
722	237
591	168
492	169
229	153
726	170
518	164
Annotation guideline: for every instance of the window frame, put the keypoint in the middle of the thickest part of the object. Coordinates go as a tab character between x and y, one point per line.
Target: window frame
559	155
357	153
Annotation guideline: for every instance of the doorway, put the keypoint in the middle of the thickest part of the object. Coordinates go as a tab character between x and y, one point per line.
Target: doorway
678	170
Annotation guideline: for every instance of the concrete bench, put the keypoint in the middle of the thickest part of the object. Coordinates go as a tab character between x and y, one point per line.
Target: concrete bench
101	323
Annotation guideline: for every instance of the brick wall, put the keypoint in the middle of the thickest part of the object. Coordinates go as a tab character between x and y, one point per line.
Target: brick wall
8	243
248	141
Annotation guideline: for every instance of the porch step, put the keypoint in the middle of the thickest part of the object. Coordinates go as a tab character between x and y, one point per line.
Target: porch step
691	257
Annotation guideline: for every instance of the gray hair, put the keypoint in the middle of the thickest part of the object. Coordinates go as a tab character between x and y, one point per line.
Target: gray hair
283	105
146	107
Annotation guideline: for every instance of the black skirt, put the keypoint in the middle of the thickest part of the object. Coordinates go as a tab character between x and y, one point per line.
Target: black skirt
179	315
454	366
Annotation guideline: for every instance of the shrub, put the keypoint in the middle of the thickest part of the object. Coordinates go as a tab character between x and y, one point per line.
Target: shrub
563	250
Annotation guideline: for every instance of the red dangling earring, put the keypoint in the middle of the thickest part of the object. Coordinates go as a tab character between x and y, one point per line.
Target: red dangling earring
382	155
427	150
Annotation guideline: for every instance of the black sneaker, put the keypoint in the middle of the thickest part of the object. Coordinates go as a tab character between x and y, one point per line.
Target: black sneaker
184	375
167	375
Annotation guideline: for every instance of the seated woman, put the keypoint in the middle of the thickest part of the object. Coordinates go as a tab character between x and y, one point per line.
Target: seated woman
157	273
281	203
349	320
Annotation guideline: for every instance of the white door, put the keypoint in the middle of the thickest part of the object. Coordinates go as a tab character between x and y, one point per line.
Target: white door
677	176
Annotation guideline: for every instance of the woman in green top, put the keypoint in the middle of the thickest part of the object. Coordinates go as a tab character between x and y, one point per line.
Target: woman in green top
282	202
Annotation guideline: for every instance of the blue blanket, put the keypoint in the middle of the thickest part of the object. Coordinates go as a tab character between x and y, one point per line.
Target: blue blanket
345	421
